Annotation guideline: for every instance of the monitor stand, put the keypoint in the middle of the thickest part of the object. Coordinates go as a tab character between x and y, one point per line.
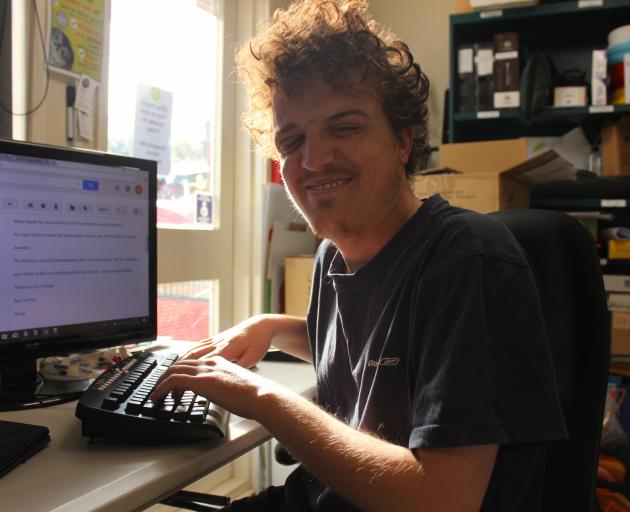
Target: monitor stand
21	387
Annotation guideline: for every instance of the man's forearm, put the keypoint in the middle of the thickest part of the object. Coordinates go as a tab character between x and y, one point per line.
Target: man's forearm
369	472
288	333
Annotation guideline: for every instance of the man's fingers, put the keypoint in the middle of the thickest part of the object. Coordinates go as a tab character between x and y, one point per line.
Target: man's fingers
176	384
188	367
182	373
247	360
199	351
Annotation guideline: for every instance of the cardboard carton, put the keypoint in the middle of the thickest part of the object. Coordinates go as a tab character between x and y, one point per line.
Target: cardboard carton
298	283
482	192
491	155
620	333
462	6
492	175
616	148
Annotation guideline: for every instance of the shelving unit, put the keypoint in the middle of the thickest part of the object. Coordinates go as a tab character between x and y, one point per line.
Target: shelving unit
606	195
568	31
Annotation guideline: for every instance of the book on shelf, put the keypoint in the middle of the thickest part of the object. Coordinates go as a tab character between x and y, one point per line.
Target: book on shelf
617	283
618	301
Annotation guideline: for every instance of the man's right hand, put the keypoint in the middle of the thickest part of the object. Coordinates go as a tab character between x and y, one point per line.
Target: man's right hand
245	344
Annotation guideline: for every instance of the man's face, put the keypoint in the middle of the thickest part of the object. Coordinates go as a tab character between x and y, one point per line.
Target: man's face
342	164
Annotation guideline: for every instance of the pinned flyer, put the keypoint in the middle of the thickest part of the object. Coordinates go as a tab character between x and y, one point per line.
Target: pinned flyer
86	94
152	129
85	105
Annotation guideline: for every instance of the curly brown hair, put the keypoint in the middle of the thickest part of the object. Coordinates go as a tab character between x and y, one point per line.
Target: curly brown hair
339	40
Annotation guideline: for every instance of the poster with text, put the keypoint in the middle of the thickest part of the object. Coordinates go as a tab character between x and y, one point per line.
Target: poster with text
152	128
75	37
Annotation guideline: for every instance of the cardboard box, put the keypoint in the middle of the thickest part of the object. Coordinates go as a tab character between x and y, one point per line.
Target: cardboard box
491	155
482	192
616	148
499	4
496	174
620	333
462	6
298	281
479	157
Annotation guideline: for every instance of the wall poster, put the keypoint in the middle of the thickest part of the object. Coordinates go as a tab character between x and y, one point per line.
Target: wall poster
75	37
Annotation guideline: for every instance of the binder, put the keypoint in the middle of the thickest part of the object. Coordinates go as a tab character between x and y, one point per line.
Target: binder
506	70
484	58
467	87
19	442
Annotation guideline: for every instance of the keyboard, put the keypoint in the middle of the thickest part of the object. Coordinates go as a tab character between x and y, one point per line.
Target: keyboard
117	405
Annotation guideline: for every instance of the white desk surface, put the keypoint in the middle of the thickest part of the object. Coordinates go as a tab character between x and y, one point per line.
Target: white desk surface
72	475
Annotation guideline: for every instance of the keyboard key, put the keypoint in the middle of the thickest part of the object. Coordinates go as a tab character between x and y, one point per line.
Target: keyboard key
109	403
165	412
197	416
133	407
216	412
151	408
181	412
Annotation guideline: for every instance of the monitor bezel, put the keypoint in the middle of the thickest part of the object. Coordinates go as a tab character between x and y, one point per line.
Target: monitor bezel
106	338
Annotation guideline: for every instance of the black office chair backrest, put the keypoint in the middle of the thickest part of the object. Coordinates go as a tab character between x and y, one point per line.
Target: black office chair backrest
562	254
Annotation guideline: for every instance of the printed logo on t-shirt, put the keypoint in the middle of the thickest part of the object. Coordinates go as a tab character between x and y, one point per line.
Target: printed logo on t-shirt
385	361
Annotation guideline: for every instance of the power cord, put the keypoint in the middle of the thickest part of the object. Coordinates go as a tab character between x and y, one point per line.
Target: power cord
3	22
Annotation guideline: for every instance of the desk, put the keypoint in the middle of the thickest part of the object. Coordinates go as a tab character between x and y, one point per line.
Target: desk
72	475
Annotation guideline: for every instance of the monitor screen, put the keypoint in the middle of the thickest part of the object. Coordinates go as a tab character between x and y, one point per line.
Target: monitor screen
78	258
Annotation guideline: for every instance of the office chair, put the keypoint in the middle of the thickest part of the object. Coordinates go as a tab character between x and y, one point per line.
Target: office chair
562	254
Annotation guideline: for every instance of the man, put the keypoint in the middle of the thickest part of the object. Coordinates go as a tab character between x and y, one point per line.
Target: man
435	386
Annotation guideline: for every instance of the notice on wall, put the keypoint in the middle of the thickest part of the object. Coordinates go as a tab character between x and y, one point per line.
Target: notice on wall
152	129
75	37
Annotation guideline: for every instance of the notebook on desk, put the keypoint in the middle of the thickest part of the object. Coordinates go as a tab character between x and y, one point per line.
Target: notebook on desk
19	442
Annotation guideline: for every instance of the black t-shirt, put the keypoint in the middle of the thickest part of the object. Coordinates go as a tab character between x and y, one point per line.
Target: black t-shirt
439	341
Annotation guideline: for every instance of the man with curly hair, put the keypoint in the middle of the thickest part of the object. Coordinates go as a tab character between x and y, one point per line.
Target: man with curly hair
424	321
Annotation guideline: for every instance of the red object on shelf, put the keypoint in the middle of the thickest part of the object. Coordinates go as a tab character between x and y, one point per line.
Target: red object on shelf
276	176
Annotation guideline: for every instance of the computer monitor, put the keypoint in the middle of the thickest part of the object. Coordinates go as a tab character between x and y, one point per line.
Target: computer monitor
78	265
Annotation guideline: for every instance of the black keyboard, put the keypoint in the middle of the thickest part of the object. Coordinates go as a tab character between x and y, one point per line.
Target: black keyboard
117	405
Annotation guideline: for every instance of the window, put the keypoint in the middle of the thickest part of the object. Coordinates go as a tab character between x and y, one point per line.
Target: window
163	76
165	84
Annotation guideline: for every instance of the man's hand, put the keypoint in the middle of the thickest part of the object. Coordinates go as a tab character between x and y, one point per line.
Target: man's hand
245	343
220	381
248	342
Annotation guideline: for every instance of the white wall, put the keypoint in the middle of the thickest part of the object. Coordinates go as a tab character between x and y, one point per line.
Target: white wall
424	26
48	123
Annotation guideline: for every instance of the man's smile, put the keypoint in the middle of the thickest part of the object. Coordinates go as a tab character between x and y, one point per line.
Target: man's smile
327	185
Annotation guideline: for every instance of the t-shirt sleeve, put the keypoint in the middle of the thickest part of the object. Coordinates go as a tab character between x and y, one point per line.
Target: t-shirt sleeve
481	365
